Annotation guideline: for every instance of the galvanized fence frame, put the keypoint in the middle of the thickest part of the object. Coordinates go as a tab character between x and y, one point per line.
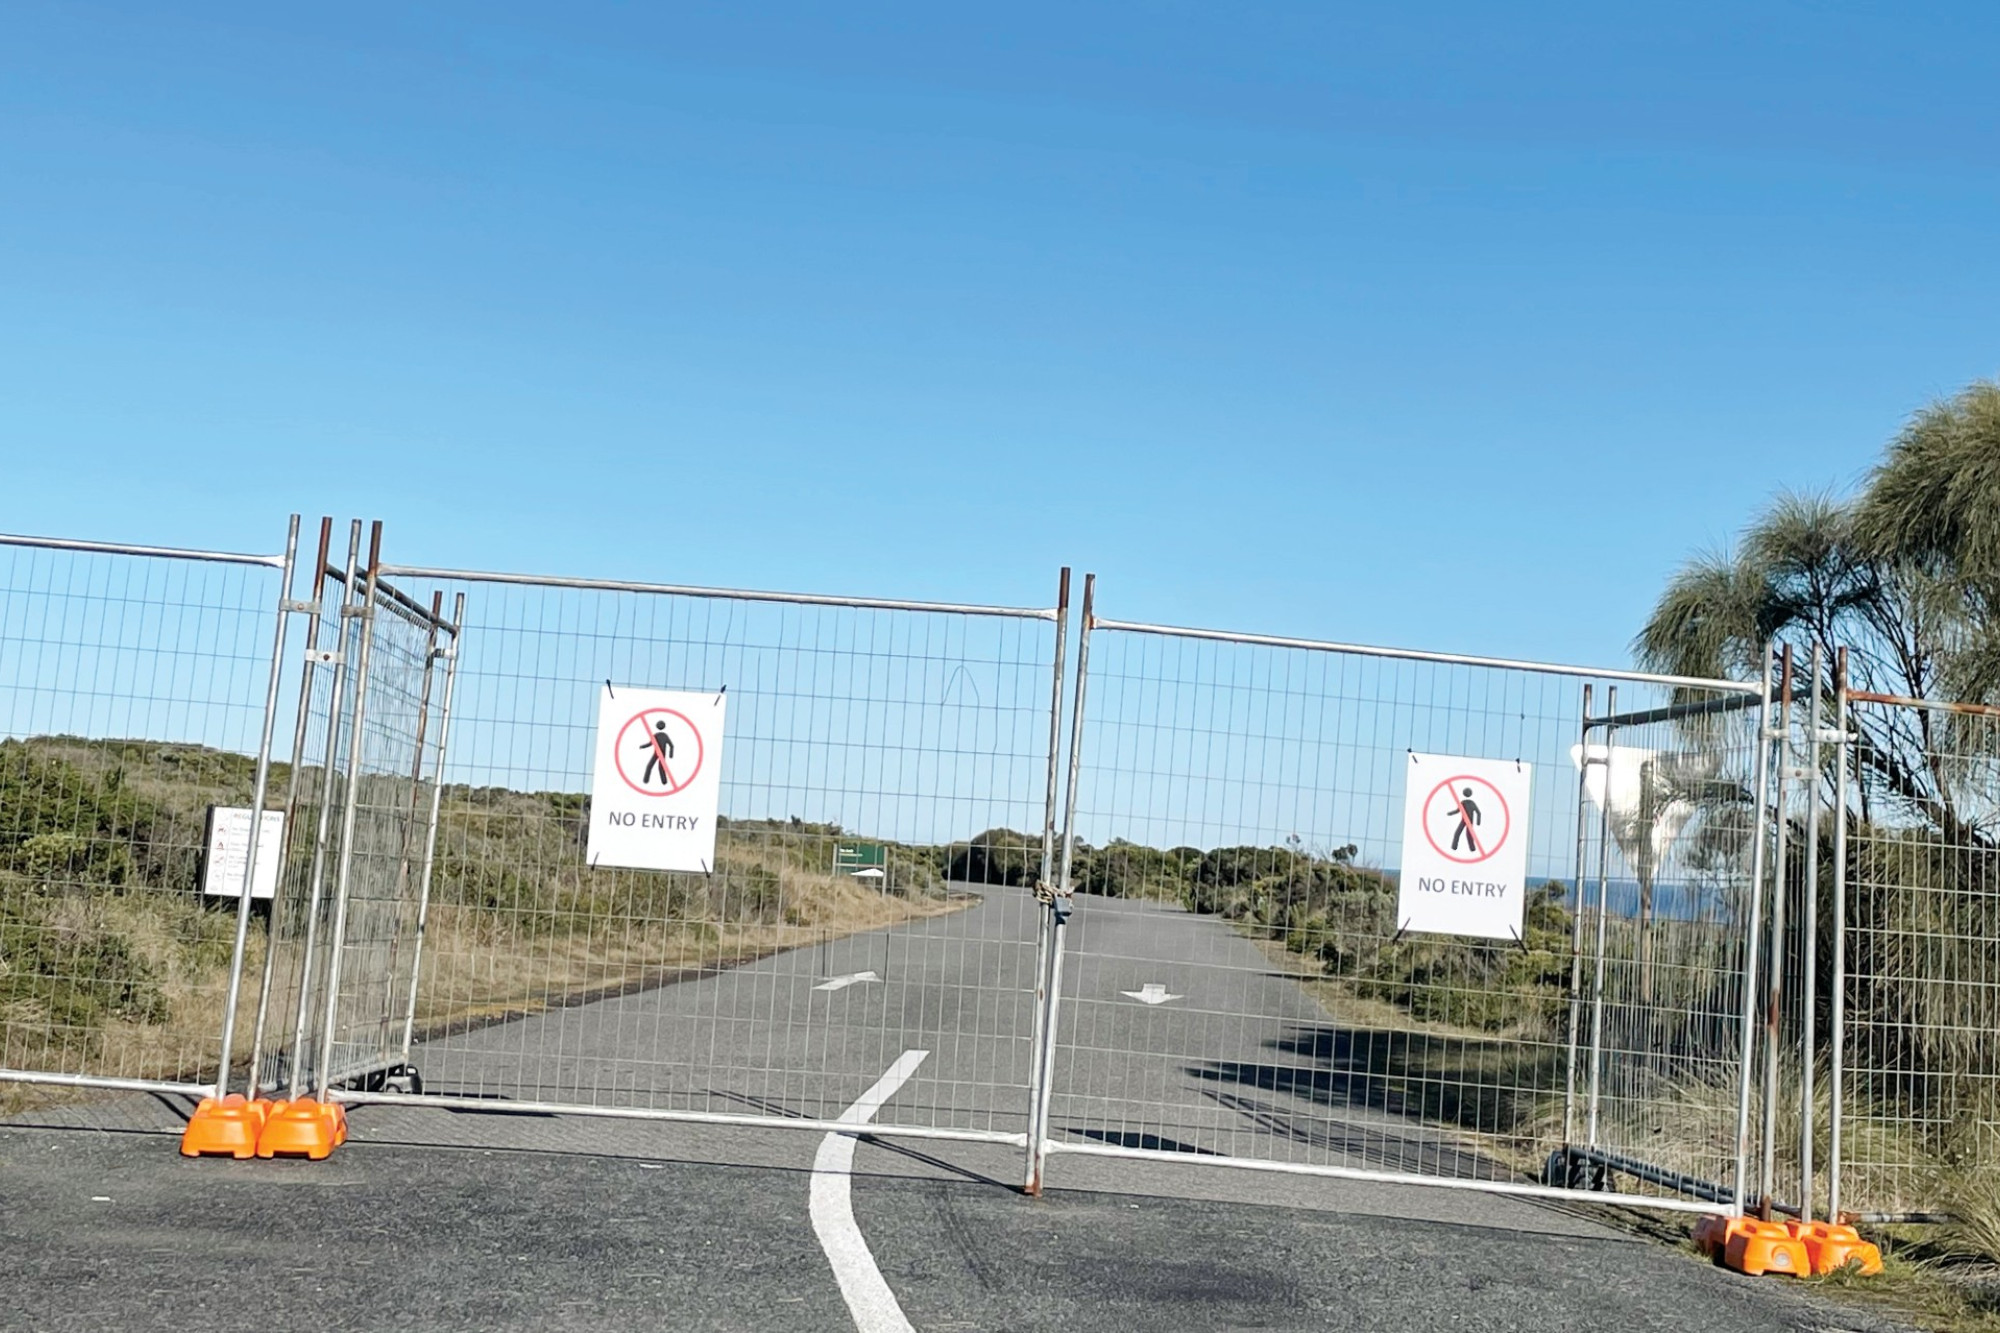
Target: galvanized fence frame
193	683
356	879
1913	1102
1734	715
1589	1164
389	815
1808	1106
283	1045
324	689
1808	760
850	682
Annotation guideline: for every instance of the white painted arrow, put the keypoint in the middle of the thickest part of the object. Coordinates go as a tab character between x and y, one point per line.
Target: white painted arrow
842	983
1150	993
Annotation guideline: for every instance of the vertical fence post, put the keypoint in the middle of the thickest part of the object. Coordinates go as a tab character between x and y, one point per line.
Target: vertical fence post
1809	931
1603	912
1748	1040
1045	912
258	792
336	938
329	764
1583	764
311	607
450	655
1836	1088
1775	991
1038	1124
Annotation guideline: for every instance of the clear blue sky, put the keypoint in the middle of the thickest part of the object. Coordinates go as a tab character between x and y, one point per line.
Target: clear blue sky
1454	325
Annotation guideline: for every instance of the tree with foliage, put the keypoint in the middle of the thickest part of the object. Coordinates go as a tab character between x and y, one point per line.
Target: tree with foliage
1905	575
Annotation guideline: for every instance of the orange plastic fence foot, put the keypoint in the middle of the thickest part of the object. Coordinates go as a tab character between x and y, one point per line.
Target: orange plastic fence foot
1766	1247
1713	1231
1831	1246
303	1128
225	1127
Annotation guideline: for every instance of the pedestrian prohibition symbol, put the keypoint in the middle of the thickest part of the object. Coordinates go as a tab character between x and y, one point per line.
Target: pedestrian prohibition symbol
669	743
657	782
1465	847
1476	814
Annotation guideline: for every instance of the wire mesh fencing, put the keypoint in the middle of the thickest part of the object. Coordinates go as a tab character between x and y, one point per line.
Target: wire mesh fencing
373	723
1240	985
380	872
885	810
1914	1109
1753	957
286	1032
136	689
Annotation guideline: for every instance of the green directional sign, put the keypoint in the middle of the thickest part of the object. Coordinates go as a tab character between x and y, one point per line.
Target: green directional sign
852	857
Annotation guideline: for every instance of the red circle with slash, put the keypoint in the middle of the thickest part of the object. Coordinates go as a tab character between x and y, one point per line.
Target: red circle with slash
1481	849
646	743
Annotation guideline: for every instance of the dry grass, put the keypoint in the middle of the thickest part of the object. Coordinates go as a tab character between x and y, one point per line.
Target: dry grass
1943	1297
112	964
477	970
1505	1087
1336	996
187	971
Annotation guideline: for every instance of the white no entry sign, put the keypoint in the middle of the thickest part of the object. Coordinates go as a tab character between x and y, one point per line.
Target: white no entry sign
1465	847
657	780
229	852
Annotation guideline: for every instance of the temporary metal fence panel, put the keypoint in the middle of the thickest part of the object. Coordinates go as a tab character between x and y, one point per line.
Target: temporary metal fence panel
291	998
373	719
380	877
1789	1084
137	691
1217	973
1915	1058
1662	992
1236	988
780	984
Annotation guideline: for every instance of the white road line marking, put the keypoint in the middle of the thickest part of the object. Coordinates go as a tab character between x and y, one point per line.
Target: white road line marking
869	1299
1150	993
842	983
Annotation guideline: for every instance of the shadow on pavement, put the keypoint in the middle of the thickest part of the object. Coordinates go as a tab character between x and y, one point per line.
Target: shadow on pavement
1434	1084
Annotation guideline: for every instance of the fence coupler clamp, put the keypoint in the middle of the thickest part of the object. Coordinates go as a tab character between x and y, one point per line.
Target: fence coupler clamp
1062	904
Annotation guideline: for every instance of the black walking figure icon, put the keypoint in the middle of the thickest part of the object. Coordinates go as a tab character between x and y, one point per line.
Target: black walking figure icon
660	748
1468	815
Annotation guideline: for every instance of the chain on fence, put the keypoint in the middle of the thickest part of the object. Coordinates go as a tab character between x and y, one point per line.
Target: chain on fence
136	689
1238	986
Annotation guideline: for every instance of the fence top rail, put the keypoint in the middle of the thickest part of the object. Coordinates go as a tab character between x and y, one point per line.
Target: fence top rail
122	548
1423	655
1733	703
1935	705
733	594
398	601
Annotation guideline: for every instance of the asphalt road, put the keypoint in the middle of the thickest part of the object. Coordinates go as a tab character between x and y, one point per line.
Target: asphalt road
103	1230
440	1219
1237	1060
1241	1062
763	1039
